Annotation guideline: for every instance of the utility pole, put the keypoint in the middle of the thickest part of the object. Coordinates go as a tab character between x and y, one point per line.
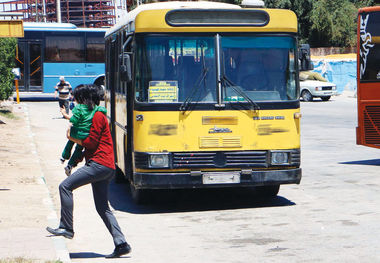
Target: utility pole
37	11
59	19
44	10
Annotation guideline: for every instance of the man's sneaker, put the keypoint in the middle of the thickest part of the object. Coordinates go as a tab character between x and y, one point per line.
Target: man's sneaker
68	169
62	160
120	250
61	232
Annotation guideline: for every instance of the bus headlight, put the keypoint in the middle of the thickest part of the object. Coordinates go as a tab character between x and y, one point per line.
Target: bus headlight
159	160
279	158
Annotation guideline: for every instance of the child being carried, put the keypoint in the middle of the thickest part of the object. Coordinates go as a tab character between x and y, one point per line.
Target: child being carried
81	121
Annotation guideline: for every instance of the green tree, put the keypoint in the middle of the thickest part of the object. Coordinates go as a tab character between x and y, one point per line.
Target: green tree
364	3
7	57
333	23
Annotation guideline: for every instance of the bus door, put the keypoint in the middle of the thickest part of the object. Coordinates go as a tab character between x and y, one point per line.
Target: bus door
28	59
123	112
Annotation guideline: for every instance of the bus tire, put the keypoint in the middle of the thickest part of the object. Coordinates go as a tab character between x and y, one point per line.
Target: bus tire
326	98
267	190
139	196
306	95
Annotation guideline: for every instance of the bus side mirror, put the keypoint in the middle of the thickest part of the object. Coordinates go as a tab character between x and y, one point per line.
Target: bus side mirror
125	69
304	56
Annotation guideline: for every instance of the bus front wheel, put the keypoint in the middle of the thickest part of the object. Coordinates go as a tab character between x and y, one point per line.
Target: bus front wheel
267	190
139	196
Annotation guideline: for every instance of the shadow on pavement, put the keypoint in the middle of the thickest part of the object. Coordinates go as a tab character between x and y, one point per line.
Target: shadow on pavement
90	255
364	162
86	255
190	200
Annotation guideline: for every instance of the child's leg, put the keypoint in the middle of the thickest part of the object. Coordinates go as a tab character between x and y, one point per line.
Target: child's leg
77	154
67	151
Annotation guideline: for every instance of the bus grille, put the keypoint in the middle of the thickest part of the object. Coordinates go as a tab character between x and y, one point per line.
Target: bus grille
372	124
141	160
216	142
220	159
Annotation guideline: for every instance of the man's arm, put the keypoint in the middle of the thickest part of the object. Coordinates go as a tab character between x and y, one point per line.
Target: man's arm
75	140
64	114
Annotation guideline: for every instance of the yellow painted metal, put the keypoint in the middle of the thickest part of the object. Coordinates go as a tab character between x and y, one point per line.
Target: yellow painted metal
154	21
11	28
177	132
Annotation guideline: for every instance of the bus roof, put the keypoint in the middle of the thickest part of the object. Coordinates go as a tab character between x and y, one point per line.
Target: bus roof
369	9
61	27
168	5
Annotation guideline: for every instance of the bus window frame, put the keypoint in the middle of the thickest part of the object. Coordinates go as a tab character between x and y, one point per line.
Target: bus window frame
87	60
213	11
84	36
180	34
264	105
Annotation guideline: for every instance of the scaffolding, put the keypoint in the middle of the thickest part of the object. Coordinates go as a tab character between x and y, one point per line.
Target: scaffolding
82	13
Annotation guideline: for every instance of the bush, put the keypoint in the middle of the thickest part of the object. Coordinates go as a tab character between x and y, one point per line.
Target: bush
7	62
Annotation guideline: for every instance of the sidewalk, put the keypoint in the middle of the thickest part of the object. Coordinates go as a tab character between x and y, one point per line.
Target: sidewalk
27	207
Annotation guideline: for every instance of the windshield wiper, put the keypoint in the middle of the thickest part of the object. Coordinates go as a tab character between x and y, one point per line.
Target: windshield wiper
238	91
189	98
195	89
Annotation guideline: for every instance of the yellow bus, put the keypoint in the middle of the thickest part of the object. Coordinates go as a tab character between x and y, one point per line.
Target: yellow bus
204	94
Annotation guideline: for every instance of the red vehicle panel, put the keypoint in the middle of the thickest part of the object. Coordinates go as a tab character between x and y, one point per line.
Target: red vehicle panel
368	77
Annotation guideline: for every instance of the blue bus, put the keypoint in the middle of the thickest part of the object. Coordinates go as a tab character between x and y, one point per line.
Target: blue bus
50	50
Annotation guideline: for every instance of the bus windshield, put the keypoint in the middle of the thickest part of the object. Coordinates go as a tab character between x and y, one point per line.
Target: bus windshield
184	68
369	47
262	67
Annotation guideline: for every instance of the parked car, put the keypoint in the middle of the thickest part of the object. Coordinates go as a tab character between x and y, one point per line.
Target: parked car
312	85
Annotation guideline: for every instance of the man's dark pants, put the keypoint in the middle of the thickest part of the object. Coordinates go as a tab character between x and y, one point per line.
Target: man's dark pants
65	103
99	176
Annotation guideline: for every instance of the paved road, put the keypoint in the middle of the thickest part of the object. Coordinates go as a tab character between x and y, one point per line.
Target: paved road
332	216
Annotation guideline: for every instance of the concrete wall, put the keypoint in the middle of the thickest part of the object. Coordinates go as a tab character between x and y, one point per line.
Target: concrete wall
341	71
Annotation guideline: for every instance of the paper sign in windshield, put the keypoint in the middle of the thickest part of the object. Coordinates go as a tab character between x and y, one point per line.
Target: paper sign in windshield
163	91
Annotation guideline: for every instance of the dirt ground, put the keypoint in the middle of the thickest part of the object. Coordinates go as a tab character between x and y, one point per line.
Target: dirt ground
23	215
19	173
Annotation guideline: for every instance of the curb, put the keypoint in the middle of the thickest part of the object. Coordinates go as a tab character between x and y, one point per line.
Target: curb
59	243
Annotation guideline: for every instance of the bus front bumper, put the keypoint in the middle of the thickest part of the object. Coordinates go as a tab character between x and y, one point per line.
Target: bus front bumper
223	179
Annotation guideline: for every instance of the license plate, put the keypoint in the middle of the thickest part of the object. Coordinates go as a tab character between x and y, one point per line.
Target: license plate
221	178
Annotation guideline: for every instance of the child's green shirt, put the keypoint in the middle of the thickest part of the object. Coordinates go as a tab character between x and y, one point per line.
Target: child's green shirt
82	120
